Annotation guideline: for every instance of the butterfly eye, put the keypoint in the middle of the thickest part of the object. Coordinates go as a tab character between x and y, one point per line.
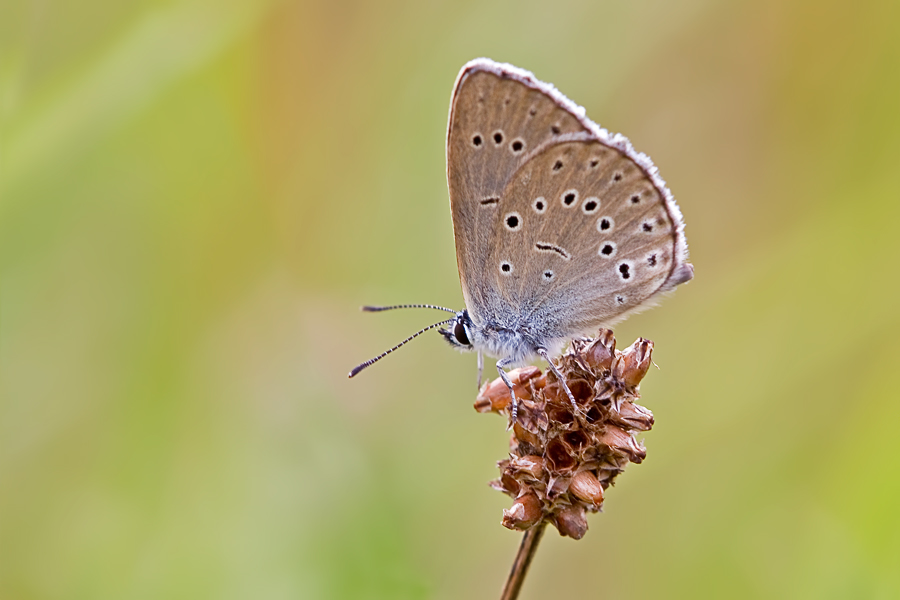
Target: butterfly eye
459	332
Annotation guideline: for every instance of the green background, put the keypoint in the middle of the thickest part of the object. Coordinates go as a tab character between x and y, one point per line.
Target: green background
196	197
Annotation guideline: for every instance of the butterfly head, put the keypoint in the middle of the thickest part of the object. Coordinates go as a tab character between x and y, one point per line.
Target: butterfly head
515	342
459	333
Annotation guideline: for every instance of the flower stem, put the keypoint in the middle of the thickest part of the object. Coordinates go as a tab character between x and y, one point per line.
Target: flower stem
519	569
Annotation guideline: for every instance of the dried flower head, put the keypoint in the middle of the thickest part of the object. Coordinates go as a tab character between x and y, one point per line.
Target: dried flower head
561	463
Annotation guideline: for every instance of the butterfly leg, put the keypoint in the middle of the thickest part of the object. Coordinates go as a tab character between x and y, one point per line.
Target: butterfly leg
515	403
562	380
480	368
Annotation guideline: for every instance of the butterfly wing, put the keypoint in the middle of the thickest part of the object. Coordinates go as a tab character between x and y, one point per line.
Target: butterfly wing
582	236
498	115
563	231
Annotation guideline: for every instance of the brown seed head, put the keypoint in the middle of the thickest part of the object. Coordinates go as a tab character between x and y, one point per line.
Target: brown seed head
561	463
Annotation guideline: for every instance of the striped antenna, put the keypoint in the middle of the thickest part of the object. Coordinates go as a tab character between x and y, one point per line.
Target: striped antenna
383	308
372	361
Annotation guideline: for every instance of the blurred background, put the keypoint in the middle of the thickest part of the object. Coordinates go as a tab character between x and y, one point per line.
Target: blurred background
197	196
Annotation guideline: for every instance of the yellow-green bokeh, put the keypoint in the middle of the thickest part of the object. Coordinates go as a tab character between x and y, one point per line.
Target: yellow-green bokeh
195	198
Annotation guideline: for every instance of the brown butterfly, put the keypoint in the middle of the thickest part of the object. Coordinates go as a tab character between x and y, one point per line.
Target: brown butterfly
560	226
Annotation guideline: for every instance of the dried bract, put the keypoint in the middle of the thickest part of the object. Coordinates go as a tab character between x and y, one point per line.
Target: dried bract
524	513
571	521
494	396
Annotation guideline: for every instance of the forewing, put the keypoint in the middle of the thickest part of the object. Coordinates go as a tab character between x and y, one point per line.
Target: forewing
499	115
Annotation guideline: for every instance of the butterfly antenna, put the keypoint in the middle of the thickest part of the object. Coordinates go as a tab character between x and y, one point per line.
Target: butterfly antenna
383	308
372	361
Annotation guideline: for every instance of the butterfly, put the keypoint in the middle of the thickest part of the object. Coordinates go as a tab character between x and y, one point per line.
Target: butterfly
560	226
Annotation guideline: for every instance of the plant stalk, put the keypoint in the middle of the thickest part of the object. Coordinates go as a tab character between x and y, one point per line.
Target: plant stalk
520	565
